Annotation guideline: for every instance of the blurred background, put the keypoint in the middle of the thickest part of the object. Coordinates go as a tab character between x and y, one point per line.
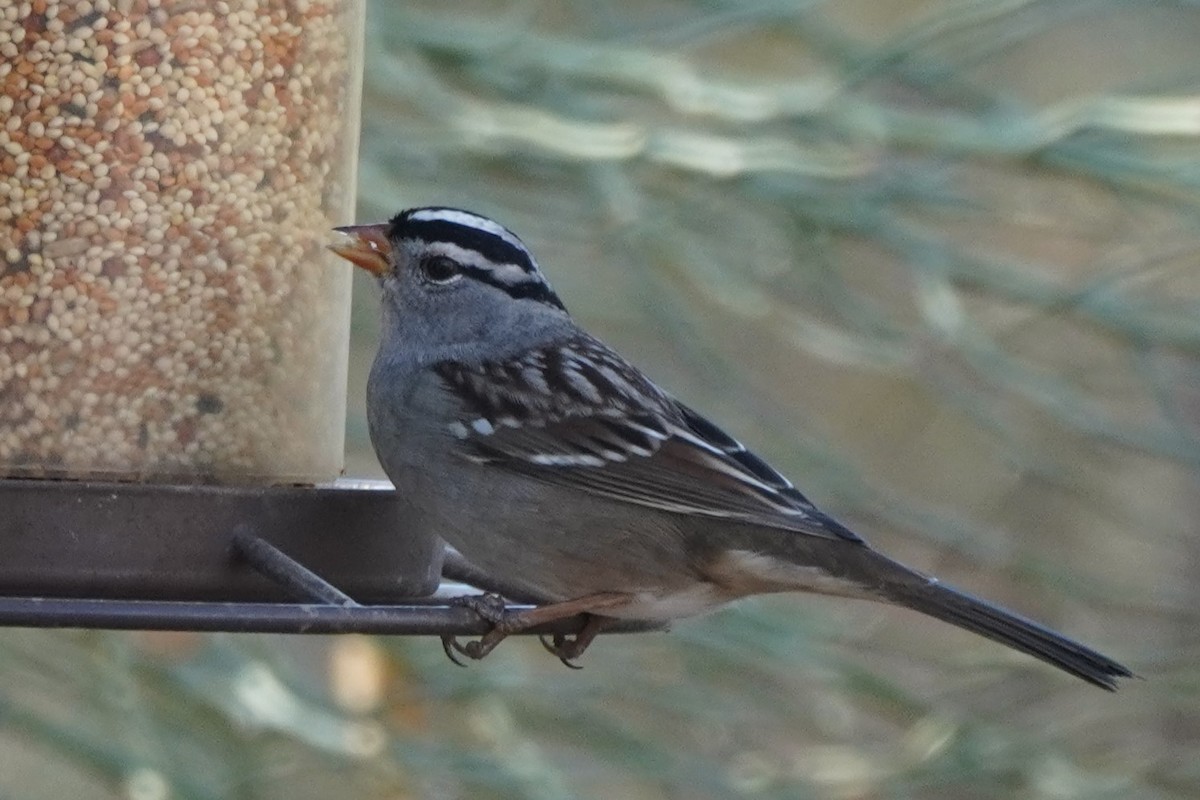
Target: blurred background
937	261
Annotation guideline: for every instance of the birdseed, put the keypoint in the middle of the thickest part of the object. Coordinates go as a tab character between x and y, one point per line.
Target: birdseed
168	173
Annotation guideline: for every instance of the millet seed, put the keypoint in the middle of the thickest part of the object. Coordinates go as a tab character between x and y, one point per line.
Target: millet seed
168	171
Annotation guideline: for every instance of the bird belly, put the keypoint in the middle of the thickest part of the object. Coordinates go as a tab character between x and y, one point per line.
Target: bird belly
746	572
698	598
535	536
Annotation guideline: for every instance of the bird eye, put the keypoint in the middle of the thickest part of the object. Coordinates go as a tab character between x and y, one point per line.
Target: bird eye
440	269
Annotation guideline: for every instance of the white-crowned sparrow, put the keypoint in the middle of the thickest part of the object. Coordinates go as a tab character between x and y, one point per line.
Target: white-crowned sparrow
554	464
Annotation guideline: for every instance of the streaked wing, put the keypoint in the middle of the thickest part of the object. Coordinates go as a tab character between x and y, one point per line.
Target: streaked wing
578	415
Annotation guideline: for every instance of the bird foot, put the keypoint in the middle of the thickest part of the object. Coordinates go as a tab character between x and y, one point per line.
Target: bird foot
492	609
568	648
562	647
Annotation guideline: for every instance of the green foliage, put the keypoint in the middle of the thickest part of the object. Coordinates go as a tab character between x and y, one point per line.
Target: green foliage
936	261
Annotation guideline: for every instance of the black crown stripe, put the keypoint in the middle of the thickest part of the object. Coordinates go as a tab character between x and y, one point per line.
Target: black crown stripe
489	245
532	289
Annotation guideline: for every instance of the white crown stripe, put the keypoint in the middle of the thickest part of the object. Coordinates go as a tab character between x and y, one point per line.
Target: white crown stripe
469	220
505	273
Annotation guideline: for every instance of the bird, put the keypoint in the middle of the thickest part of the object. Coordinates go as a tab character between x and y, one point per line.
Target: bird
551	462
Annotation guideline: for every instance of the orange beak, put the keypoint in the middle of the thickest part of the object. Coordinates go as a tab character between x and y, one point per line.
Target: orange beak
365	246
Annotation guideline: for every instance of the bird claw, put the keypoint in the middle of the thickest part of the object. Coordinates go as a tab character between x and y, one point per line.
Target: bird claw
560	647
450	645
475	649
568	648
491	609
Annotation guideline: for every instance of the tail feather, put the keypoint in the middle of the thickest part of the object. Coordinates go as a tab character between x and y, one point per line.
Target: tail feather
998	624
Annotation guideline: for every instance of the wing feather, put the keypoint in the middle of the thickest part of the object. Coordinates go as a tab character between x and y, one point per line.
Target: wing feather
615	434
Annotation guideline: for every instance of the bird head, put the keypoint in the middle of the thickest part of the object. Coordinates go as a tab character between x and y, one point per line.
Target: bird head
451	279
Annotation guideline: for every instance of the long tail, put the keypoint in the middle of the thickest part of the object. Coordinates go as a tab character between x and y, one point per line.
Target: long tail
1003	626
875	576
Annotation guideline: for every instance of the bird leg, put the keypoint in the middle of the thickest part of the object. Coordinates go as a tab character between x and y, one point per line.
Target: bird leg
490	607
569	648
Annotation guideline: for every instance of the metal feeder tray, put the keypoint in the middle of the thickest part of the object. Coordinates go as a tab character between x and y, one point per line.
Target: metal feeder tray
324	559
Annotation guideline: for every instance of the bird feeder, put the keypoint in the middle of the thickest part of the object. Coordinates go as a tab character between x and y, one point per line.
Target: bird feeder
167	309
174	333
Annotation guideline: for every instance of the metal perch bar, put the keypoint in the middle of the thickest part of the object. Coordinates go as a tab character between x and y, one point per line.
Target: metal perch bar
321	617
390	620
203	558
306	585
